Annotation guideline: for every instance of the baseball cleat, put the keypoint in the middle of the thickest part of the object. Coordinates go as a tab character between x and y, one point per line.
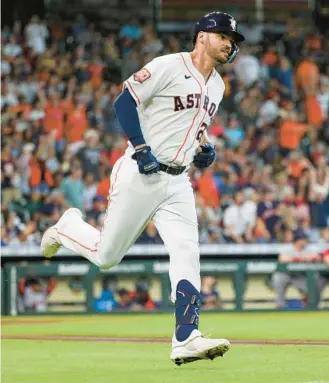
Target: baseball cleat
50	243
198	348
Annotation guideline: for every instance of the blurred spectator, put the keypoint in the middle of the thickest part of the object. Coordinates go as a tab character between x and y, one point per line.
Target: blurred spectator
106	301
323	97
96	211
234	133
141	296
72	188
152	45
36	34
268	216
126	302
89	154
150	236
136	300
34	294
89	192
11	50
247	67
210	297
323	279
249	212
319	192
131	30
282	280
235	225
291	133
307	75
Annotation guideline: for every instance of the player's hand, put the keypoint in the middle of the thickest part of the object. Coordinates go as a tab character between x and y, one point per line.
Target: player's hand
206	157
147	163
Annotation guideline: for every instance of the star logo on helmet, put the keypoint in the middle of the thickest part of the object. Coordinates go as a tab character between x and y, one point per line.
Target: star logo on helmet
233	24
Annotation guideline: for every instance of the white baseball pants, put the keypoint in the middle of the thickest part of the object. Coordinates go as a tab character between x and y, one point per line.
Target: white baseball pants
135	199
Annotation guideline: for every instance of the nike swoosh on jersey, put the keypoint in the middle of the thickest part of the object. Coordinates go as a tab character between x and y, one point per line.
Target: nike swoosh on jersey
187	77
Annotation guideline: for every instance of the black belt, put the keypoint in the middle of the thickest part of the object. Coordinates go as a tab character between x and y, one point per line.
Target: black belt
174	171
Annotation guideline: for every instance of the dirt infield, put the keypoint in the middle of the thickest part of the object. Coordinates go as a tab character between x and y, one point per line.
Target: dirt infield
159	340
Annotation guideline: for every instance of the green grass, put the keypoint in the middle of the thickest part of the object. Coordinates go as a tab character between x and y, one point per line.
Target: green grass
55	362
295	325
25	361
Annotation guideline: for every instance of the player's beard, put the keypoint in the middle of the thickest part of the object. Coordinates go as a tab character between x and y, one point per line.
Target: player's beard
222	61
222	58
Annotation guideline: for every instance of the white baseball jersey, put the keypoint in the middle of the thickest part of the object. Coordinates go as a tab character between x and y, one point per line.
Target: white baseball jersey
175	106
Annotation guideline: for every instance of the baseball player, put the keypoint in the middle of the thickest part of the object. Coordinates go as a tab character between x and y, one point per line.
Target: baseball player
323	279
164	109
299	252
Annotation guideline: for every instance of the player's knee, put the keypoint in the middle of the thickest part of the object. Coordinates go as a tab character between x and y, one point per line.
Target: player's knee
109	257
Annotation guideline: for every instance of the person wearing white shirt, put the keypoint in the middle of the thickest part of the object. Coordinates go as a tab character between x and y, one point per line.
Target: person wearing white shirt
254	33
249	212
37	113
12	49
5	67
323	97
235	225
7	97
247	68
36	35
28	88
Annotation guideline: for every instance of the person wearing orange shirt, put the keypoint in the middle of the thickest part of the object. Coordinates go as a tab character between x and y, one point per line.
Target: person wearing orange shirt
313	110
271	57
35	174
54	116
76	123
22	107
96	71
103	186
307	75
208	189
296	164
290	135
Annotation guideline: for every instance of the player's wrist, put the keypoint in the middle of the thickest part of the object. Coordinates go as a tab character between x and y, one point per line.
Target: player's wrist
137	141
140	146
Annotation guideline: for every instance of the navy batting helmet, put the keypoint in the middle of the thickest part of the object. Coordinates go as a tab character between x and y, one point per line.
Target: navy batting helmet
220	22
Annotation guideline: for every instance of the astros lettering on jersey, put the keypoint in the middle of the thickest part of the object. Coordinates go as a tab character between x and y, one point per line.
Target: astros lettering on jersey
175	106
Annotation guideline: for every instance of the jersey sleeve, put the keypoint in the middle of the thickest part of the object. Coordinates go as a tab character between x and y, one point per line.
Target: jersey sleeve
149	81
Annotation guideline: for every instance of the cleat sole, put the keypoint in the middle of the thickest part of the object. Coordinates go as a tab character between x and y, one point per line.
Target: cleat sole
210	354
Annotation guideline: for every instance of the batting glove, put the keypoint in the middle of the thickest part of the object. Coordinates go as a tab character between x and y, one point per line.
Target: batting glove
206	157
147	163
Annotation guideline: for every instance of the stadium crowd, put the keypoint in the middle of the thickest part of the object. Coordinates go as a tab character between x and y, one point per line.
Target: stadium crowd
60	136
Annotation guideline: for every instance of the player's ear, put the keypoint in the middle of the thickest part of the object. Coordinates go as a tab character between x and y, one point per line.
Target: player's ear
201	37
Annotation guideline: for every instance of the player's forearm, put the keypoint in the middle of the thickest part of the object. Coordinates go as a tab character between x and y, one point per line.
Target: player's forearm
126	112
204	138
